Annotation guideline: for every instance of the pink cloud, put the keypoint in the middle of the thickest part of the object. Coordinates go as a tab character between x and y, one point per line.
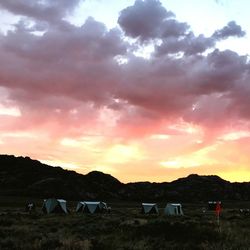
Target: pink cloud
67	81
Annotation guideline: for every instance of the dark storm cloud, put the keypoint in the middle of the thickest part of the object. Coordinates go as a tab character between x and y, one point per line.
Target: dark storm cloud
149	20
144	19
46	10
77	61
71	71
221	72
189	45
231	29
173	28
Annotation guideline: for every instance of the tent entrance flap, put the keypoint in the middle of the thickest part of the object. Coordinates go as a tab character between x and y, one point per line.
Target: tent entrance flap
91	207
54	206
150	208
173	209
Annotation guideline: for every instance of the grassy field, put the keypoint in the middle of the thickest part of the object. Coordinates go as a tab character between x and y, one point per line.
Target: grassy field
123	228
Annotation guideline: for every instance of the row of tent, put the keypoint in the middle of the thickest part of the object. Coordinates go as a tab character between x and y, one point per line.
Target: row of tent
60	206
170	209
174	208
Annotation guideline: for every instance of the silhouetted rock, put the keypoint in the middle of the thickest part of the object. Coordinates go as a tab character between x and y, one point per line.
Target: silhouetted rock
26	177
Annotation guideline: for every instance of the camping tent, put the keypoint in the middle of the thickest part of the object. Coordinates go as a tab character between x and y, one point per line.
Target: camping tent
91	207
80	206
149	208
173	209
54	206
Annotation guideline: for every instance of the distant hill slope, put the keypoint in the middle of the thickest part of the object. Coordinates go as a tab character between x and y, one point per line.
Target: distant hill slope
23	176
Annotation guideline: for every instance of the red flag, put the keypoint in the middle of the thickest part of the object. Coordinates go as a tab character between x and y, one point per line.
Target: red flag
218	208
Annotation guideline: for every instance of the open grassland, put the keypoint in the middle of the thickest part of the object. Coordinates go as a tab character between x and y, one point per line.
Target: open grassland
123	228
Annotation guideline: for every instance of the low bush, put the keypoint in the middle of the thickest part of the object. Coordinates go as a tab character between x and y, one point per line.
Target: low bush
123	230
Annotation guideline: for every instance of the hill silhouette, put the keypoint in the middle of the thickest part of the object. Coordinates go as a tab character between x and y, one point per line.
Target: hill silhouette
22	176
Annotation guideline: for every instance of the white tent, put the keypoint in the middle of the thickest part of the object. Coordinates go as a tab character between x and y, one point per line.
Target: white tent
173	209
80	206
91	207
54	206
150	208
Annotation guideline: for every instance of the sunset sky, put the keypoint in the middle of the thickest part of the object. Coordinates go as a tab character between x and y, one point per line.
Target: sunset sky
144	90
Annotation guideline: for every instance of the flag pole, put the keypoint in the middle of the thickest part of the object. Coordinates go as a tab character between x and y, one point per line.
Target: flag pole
218	221
217	211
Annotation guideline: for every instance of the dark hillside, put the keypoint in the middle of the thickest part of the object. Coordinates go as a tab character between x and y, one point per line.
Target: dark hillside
22	176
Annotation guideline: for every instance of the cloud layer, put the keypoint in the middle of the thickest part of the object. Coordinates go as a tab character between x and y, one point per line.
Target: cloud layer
89	82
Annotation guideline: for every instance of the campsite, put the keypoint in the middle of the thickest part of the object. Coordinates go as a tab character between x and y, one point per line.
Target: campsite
96	211
125	227
124	125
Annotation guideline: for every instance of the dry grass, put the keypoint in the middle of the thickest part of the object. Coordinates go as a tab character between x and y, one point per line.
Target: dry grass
123	229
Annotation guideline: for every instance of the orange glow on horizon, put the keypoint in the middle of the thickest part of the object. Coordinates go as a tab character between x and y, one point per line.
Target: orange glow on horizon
163	155
133	99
